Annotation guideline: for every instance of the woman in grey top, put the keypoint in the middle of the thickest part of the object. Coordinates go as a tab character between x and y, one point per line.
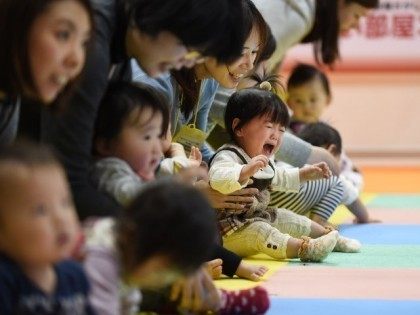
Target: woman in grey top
320	22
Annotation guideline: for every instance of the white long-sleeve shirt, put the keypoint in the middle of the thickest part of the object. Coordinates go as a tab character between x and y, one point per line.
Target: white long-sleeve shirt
226	167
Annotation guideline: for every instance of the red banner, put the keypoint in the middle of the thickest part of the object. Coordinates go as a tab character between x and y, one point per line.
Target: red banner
387	39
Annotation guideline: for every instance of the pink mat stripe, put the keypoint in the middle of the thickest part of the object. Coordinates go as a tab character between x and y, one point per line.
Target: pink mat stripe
386	216
395	216
338	283
390	216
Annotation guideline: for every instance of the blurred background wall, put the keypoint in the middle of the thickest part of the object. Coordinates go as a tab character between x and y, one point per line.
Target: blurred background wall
376	86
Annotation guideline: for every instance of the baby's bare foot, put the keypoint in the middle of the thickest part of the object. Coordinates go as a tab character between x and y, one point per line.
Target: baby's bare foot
214	268
251	272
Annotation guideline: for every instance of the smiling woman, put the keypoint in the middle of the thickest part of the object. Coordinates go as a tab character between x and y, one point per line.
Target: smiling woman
191	91
41	53
44	51
57	45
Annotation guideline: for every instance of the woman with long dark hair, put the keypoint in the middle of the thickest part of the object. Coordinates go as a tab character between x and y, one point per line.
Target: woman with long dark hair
41	55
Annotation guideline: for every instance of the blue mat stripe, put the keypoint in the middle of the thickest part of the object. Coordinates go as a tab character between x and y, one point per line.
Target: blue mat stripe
383	234
342	307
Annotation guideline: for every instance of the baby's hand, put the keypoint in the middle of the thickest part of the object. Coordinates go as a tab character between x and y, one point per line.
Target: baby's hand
195	156
314	172
258	162
175	149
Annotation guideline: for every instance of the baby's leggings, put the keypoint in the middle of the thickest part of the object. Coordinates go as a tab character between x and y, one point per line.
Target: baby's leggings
268	237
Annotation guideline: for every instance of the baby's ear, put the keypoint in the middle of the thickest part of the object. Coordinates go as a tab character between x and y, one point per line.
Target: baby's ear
102	147
332	148
235	123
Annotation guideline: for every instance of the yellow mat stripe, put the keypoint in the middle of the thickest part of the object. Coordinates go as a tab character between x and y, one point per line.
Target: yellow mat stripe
260	259
341	214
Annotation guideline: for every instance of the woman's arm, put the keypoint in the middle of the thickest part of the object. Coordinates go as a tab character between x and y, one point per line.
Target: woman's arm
297	152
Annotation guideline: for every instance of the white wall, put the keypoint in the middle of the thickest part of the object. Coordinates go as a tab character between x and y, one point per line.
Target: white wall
378	115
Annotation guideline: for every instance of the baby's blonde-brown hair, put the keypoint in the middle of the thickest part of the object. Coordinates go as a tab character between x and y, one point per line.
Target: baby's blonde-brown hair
269	82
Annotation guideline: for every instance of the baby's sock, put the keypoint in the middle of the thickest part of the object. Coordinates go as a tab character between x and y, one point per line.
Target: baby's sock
243	302
347	245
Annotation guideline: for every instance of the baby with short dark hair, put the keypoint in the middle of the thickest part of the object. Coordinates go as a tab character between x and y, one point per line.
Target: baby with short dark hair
38	231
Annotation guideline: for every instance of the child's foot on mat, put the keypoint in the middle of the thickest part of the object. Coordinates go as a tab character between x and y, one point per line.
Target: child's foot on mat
251	272
317	249
347	245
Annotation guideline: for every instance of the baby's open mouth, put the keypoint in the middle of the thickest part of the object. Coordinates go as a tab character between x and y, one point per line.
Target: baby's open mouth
268	149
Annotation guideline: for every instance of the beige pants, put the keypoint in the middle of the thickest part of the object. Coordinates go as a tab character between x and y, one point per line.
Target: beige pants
268	238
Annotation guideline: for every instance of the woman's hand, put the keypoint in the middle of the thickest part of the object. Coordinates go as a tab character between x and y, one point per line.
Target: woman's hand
234	201
193	174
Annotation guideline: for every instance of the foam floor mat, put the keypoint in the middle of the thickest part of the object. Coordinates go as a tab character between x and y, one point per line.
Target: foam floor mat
384	278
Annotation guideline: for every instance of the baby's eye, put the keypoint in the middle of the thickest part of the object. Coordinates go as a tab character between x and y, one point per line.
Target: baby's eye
39	211
147	137
63	35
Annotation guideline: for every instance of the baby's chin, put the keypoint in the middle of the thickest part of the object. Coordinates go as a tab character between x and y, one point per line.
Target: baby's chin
146	175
